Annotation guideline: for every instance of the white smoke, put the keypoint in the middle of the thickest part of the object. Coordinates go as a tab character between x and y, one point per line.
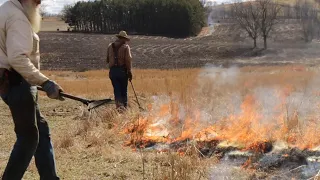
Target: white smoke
219	95
270	98
271	102
220	75
226	170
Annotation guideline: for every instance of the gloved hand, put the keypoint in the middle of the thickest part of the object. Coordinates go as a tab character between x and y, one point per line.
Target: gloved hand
129	75
52	89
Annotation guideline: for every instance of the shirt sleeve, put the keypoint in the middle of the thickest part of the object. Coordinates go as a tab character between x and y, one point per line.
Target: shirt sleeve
128	58
108	54
19	43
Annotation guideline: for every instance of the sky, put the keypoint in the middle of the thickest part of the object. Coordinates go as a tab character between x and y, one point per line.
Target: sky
55	6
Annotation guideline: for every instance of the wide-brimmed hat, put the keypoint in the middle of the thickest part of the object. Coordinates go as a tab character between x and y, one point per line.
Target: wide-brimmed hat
123	34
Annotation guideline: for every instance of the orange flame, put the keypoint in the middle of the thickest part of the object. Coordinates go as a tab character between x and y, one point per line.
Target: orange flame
249	128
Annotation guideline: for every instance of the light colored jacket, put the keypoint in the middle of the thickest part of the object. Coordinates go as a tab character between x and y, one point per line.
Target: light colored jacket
19	45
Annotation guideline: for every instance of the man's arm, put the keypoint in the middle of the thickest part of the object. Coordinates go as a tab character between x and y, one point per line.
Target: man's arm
128	58
19	44
108	60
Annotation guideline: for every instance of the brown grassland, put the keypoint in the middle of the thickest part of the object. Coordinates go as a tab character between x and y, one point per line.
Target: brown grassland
91	146
52	24
94	148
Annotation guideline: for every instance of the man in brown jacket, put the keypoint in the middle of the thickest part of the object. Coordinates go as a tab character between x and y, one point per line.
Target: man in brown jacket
119	59
19	75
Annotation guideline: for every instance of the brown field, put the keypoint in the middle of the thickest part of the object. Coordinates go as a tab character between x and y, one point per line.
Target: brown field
77	51
222	45
52	24
89	149
281	84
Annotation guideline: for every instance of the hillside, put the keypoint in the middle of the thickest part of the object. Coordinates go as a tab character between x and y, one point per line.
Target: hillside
52	24
221	44
203	107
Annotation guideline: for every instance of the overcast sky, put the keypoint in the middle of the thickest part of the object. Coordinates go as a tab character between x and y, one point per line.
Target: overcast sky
55	6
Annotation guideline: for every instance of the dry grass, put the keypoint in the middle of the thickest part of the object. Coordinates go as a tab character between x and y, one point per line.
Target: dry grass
93	149
52	24
182	81
148	82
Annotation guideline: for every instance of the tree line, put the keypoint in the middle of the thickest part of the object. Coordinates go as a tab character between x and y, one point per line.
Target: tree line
308	16
225	11
177	18
257	18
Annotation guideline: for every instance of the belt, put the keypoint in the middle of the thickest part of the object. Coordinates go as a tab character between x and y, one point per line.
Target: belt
12	76
3	75
118	66
4	83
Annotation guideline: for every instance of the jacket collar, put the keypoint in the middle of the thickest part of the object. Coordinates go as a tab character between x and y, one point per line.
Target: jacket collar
19	6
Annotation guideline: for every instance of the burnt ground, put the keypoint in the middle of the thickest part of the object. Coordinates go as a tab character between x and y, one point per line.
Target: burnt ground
220	45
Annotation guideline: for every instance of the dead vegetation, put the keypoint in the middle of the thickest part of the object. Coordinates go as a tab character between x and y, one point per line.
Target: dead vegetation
227	45
94	148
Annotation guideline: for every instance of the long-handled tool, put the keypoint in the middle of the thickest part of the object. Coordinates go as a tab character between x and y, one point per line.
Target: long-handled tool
136	96
91	104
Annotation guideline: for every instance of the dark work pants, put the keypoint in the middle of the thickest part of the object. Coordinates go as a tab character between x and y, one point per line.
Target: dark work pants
32	132
119	79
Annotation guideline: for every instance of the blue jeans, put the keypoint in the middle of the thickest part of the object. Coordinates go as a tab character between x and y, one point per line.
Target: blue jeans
32	133
119	79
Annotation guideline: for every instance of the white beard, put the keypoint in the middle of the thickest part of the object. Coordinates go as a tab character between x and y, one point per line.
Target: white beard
33	14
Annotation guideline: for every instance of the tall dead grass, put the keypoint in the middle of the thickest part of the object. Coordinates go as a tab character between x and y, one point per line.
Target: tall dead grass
103	136
146	82
154	82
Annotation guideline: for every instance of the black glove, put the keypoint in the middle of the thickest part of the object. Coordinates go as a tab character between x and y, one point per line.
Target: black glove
52	89
129	75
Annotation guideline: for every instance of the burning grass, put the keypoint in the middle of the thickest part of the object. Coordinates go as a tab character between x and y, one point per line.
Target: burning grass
255	106
244	105
191	114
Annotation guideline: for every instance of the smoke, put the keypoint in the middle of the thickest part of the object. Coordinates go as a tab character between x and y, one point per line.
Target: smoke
213	79
210	20
226	170
225	93
271	101
270	98
219	75
242	106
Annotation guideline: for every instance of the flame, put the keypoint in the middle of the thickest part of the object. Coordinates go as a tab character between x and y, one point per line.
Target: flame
248	128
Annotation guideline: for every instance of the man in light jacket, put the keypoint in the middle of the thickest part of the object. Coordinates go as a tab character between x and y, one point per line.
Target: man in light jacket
19	75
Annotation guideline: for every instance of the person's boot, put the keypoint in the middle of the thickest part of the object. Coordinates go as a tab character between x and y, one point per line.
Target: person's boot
121	110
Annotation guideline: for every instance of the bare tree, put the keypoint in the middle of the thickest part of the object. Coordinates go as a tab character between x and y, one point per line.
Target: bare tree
269	11
43	10
247	17
308	18
222	12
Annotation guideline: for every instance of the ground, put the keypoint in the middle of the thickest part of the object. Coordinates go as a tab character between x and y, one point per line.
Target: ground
86	148
53	24
211	76
222	45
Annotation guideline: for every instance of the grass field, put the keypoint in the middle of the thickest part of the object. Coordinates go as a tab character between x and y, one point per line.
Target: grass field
223	45
200	82
52	24
94	148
